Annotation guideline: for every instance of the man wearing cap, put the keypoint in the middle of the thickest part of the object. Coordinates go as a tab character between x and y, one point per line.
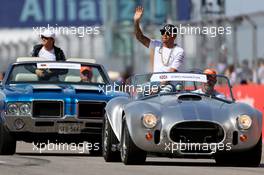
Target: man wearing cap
47	48
168	57
49	51
208	87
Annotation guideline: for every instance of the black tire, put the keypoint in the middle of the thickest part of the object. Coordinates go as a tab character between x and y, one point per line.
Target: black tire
7	142
130	153
248	158
109	139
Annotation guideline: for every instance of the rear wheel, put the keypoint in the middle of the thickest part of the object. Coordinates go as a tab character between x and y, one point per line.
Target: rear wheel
130	153
248	158
110	153
7	142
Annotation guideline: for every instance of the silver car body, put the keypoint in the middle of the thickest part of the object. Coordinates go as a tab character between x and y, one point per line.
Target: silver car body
172	110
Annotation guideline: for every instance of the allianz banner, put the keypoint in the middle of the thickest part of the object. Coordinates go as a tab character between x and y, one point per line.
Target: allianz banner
29	13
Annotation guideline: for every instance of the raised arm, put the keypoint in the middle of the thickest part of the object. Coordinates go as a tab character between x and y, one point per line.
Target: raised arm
139	34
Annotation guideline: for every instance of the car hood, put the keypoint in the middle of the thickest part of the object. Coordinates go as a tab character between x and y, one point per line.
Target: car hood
171	108
204	109
29	92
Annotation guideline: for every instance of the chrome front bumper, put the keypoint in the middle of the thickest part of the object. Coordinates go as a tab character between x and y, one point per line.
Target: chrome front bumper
53	125
167	146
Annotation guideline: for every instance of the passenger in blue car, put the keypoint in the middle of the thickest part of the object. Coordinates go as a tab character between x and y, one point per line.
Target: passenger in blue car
50	52
46	74
51	75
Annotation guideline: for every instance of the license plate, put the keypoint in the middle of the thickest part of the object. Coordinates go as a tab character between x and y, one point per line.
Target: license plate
69	128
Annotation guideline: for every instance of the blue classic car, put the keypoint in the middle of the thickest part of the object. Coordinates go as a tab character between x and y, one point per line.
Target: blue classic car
53	102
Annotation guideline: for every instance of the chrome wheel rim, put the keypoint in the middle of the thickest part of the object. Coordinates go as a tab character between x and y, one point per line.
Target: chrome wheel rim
106	134
124	147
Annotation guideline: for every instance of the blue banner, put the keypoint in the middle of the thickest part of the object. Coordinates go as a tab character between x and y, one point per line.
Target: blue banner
154	10
29	13
184	8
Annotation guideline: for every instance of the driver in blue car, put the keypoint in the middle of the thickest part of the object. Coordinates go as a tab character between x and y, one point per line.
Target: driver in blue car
86	74
208	87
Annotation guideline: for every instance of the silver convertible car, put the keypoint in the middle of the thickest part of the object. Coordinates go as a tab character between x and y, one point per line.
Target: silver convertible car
172	114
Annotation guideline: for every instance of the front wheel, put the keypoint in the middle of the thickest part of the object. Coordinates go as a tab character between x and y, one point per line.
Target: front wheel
109	140
7	142
130	153
248	158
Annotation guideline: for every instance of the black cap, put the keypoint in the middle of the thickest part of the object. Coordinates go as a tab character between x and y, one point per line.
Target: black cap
171	29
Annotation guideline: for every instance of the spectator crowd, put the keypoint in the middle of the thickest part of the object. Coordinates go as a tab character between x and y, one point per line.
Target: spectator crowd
243	73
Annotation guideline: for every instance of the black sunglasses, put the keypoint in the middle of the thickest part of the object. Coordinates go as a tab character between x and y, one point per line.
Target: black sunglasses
162	32
43	37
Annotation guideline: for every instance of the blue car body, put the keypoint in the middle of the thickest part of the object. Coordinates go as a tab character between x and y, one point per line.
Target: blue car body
60	112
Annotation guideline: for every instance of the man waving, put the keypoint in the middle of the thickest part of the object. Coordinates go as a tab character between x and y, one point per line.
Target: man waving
168	57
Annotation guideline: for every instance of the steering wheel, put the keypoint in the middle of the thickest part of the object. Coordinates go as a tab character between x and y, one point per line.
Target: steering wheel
167	88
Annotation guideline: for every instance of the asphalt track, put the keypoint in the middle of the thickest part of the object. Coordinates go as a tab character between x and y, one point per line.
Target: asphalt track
29	162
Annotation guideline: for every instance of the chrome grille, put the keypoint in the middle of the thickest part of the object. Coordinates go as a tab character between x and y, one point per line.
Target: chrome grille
87	109
197	132
47	109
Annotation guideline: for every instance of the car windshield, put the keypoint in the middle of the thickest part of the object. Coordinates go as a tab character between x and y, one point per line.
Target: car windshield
142	86
57	73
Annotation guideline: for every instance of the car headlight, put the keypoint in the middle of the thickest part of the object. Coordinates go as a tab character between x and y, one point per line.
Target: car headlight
244	122
149	120
12	109
19	109
25	109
